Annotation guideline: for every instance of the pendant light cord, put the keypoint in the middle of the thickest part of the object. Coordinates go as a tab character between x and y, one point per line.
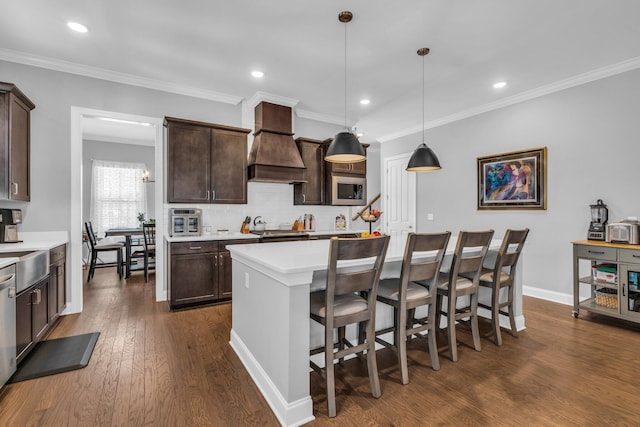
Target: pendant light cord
345	75
423	99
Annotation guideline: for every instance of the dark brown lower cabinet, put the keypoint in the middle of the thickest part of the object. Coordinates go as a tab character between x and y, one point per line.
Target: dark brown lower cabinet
57	282
32	317
200	272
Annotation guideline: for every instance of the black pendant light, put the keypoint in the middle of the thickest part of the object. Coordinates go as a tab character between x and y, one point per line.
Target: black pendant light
345	147
423	158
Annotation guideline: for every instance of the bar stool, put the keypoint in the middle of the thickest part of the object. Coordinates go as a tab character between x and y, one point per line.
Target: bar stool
416	287
349	298
471	249
502	275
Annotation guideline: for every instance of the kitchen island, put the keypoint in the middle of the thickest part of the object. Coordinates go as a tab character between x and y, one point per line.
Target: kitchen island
271	330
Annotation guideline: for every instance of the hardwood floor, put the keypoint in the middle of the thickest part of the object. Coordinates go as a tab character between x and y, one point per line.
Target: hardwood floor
160	368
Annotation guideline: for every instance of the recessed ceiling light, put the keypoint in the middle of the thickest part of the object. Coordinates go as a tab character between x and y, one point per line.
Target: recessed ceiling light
365	101
500	85
78	28
257	74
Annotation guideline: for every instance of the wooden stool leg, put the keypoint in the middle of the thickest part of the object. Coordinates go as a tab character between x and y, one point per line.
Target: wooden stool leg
495	315
431	338
512	317
372	362
475	331
451	327
329	372
401	344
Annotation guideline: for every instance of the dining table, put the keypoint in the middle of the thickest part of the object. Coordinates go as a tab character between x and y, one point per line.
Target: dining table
128	233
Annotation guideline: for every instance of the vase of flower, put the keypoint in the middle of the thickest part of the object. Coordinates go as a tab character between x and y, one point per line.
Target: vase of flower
141	218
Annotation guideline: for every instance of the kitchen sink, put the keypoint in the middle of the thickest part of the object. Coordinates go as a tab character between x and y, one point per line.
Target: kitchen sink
30	268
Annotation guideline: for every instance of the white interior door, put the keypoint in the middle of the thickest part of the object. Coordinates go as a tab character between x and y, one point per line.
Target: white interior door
399	200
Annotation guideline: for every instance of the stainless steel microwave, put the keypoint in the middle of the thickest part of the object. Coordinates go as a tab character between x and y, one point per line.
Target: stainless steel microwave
348	190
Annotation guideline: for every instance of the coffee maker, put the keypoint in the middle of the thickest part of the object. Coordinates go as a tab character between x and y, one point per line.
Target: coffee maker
9	220
598	226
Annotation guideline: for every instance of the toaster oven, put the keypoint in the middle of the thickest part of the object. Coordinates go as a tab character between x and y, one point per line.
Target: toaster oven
623	232
185	222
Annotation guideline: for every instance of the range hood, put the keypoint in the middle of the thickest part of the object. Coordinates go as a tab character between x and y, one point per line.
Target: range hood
274	155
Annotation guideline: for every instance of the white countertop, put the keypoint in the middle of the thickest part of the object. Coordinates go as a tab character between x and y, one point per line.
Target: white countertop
212	236
238	236
7	261
36	241
312	255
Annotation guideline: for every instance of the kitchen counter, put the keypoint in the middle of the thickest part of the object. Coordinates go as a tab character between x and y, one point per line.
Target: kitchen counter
271	331
238	236
7	261
36	241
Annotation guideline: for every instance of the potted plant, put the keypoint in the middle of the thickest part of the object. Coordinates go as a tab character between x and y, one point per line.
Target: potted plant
141	218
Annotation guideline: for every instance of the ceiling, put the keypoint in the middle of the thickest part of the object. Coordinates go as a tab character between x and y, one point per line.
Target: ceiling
209	48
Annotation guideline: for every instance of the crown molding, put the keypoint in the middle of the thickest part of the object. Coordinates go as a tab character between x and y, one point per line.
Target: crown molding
114	76
580	79
259	97
306	114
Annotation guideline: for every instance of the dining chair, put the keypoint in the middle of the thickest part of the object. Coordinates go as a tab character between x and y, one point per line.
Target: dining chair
149	232
471	249
500	276
416	287
97	247
349	298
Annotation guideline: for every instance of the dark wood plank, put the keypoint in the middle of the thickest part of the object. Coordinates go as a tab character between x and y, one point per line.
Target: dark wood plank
155	367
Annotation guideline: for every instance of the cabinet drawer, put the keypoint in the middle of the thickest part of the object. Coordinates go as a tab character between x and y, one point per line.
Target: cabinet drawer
58	254
629	255
595	252
194	247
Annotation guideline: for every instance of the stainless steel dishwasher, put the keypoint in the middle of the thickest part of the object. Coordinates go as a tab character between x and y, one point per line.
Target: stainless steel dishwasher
7	323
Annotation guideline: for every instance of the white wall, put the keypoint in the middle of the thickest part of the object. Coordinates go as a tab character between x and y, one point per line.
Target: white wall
592	134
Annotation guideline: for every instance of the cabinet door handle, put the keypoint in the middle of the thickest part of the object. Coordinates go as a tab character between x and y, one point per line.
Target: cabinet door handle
596	252
194	248
624	292
208	194
304	198
15	188
635	256
38	297
215	260
213	194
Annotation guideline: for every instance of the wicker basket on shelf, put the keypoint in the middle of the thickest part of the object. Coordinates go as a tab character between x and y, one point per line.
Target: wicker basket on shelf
607	297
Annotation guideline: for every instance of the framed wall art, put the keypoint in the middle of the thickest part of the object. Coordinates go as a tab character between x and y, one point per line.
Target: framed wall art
516	180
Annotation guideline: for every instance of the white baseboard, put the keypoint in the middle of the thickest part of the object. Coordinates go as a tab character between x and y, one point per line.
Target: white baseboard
548	295
288	413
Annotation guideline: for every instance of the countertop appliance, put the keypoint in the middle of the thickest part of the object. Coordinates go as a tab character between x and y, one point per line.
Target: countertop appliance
623	232
599	217
348	190
9	220
185	222
7	323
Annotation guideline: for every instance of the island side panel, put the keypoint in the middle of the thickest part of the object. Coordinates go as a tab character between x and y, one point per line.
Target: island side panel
271	321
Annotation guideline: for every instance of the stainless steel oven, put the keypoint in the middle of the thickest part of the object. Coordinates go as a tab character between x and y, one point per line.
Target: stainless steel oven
348	190
185	222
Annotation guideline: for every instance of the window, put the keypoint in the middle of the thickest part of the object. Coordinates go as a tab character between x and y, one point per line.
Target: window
118	194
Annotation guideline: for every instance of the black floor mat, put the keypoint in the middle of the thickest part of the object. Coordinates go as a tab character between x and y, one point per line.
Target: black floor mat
55	356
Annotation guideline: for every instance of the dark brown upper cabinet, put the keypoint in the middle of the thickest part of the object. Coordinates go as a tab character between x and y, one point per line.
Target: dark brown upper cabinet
207	163
312	191
15	143
358	168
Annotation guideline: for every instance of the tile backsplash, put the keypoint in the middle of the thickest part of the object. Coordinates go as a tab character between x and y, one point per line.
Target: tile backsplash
274	203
